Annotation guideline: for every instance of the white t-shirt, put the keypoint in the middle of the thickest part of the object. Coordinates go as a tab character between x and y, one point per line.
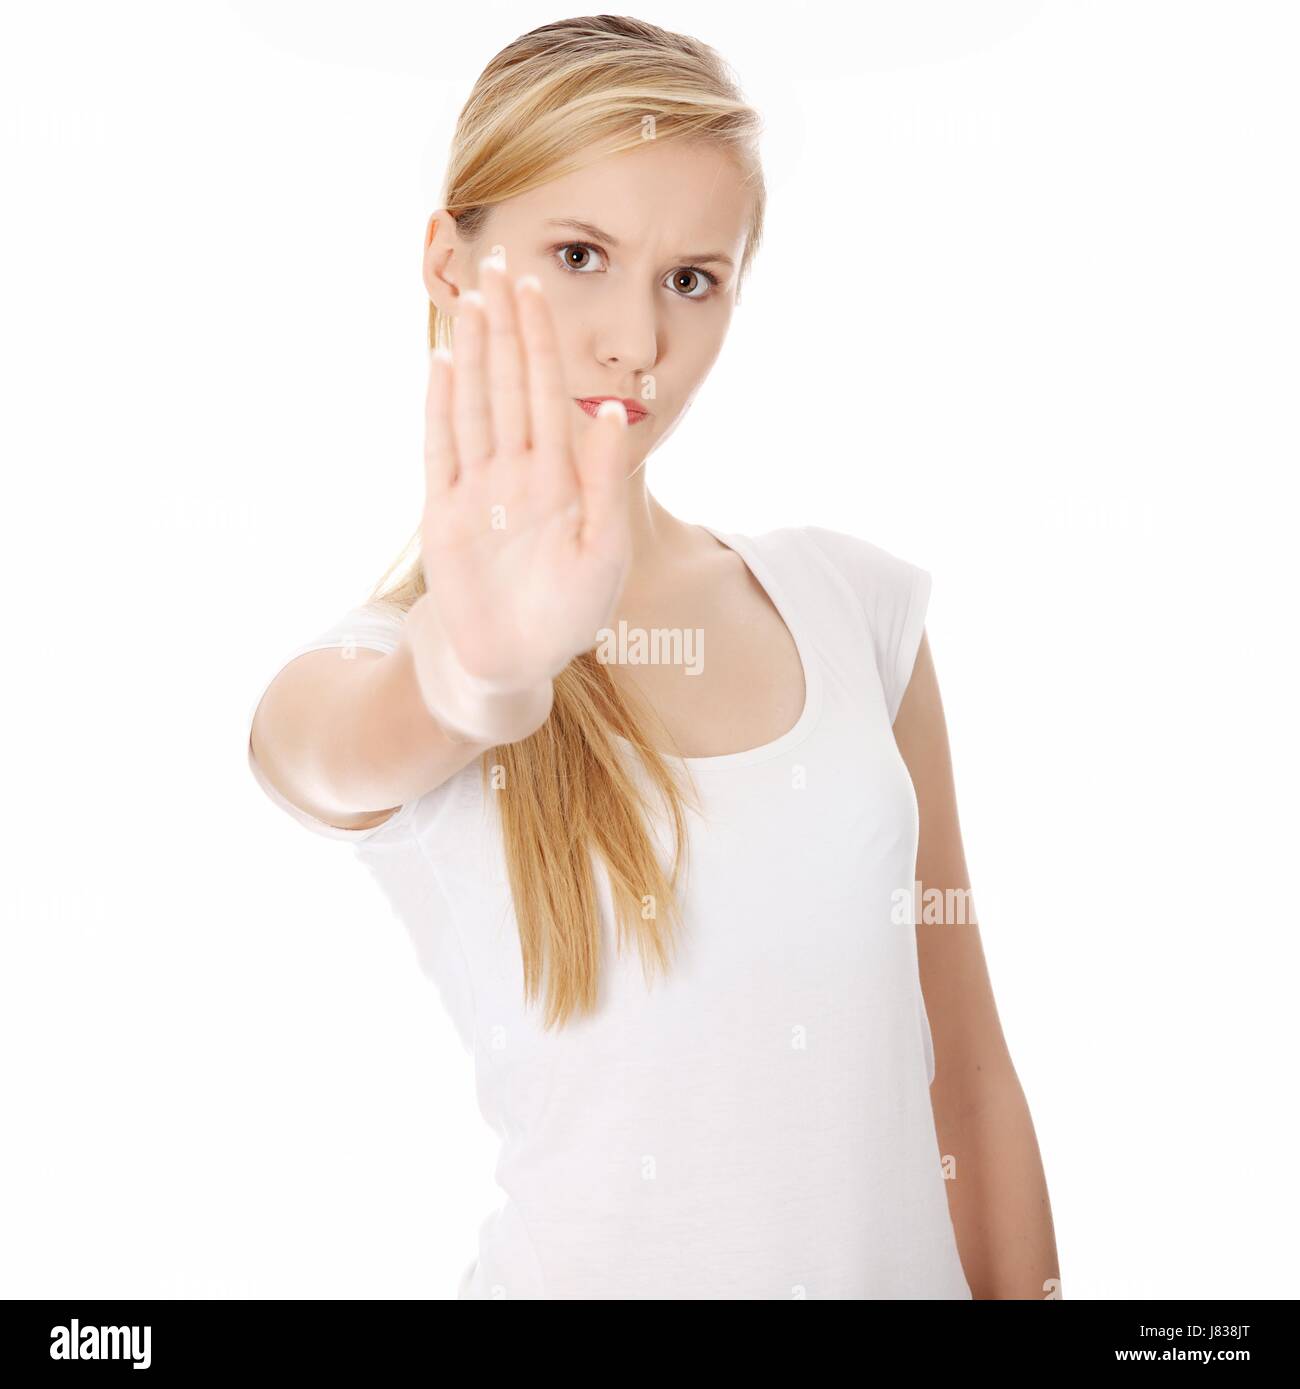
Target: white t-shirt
757	1124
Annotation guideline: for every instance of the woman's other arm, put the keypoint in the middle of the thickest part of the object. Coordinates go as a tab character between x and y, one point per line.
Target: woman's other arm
1001	1213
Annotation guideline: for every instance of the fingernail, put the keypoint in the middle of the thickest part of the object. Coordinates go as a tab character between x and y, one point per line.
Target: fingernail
471	296
528	282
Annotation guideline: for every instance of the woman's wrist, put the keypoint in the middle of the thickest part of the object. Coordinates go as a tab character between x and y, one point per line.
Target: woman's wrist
466	707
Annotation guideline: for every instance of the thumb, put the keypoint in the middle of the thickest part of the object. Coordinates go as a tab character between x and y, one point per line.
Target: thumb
604	478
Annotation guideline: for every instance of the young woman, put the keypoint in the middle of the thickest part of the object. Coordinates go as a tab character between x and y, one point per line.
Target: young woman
670	904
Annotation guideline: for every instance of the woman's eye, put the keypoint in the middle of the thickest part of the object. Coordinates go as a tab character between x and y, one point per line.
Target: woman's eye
579	251
693	280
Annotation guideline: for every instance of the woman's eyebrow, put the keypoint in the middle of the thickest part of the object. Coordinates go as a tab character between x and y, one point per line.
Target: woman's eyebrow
596	234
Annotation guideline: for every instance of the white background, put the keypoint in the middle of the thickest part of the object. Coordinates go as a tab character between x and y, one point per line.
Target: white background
1026	314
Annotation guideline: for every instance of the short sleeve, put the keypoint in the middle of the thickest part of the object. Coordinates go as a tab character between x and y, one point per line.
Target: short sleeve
894	595
375	626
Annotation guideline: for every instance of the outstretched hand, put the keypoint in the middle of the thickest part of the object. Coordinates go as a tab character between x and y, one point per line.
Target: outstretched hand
525	539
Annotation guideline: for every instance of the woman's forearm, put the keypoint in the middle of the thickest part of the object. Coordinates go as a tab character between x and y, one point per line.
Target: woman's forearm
997	1192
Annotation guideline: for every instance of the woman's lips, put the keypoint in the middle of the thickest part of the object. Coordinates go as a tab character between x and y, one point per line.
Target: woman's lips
635	412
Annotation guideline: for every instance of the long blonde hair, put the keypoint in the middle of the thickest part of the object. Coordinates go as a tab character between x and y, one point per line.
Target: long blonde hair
555	99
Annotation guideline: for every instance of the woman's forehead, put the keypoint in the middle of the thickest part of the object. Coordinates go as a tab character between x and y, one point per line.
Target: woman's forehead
692	198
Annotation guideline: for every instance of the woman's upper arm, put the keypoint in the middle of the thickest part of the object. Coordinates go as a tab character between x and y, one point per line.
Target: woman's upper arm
969	1046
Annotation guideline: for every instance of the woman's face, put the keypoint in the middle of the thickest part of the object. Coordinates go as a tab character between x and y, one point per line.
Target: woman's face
637	255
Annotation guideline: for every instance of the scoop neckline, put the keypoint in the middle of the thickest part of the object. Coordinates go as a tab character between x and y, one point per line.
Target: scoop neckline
812	703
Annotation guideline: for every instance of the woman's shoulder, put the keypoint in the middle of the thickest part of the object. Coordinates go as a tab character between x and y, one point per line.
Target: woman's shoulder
376	623
875	574
854	584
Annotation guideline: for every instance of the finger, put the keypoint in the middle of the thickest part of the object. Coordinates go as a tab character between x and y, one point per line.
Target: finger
550	407
471	420
605	482
439	442
507	382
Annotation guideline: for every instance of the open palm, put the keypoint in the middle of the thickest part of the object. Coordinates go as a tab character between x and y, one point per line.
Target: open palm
525	536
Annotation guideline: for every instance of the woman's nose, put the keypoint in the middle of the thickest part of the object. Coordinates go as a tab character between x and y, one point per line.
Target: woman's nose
628	337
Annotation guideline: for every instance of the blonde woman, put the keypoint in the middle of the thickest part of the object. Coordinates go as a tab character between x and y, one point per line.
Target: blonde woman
668	903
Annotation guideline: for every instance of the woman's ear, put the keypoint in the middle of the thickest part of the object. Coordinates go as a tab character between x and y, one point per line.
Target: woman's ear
444	257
